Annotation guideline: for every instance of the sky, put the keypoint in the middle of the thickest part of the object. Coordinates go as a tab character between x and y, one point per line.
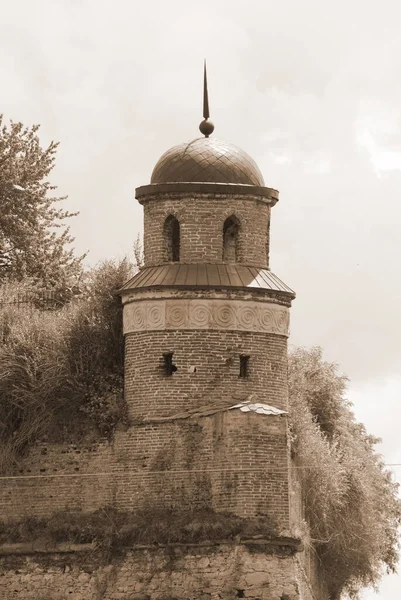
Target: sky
311	90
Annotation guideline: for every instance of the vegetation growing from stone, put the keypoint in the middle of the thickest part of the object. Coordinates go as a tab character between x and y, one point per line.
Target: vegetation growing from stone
111	530
350	498
34	239
61	371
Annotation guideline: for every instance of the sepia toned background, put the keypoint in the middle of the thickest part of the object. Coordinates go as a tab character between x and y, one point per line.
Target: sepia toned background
311	90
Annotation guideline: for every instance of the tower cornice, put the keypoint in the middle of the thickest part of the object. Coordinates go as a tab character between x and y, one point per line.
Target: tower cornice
267	195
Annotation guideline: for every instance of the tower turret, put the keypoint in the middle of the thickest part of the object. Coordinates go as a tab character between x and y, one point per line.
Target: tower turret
205	295
206	326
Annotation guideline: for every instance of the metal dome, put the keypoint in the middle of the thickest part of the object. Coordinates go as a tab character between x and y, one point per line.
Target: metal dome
207	160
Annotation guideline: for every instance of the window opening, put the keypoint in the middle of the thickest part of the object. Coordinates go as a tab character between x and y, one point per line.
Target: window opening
169	366
172	239
230	239
268	240
243	366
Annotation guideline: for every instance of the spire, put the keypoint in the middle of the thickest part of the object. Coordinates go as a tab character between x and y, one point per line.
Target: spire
206	127
206	114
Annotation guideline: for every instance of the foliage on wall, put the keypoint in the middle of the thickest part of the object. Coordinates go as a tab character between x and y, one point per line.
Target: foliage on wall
61	371
350	498
111	530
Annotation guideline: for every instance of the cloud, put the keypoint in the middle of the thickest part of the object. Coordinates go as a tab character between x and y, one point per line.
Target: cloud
310	91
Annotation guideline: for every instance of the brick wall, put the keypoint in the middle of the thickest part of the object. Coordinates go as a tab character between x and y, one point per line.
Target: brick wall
233	446
230	461
53	477
195	462
201	218
215	354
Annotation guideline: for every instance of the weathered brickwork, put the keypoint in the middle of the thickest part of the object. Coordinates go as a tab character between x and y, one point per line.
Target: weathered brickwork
54	477
201	218
224	572
215	355
229	461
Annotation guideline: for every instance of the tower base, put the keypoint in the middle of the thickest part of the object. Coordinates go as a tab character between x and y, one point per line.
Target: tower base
178	572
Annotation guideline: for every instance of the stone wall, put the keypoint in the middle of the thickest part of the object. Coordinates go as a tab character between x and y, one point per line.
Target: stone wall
223	572
201	218
311	578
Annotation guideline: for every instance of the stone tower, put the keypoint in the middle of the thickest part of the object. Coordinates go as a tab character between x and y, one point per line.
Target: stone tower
206	327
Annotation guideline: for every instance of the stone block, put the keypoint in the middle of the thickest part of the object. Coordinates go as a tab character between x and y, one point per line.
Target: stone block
257	578
203	562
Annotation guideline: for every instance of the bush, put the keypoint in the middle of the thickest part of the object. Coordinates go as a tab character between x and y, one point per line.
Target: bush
61	371
350	499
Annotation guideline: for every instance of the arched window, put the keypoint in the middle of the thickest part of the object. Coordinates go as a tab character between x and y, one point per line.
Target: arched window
268	241
230	239
172	239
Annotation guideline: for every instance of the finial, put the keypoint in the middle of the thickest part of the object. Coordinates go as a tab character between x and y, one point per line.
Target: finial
206	127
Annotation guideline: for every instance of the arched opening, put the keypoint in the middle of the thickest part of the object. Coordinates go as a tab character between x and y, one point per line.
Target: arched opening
230	239
172	239
268	240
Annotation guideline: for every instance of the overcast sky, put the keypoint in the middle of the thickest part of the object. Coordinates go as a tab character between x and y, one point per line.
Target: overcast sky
310	89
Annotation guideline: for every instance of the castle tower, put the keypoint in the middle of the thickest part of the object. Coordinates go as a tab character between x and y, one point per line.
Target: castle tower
206	324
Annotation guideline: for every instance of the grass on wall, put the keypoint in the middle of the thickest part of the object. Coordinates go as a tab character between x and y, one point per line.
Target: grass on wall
110	529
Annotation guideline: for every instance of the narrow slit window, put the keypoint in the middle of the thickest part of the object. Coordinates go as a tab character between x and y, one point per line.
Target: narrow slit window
172	239
230	239
243	366
169	366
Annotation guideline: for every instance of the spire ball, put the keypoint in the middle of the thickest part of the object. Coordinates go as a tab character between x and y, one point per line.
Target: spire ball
206	127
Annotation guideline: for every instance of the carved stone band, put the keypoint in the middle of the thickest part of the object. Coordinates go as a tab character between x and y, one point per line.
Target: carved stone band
239	315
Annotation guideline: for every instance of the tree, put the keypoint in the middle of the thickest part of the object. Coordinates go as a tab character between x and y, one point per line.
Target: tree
350	498
34	238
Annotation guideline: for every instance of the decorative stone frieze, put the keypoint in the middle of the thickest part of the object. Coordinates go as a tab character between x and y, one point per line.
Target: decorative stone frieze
206	314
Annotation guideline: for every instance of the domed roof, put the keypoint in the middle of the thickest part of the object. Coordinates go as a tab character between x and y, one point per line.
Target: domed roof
207	160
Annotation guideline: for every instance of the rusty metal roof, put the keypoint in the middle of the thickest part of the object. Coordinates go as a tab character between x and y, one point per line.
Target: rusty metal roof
207	275
207	160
